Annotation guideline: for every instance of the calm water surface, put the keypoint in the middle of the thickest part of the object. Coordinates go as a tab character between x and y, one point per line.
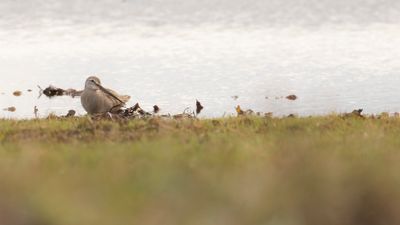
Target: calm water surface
334	55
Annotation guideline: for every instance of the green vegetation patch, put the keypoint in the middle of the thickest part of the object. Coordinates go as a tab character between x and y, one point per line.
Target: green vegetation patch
246	170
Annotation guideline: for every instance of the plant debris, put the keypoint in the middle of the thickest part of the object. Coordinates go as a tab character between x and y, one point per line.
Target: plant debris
132	112
248	112
156	109
235	97
17	93
239	111
52	91
291	97
199	107
10	109
71	113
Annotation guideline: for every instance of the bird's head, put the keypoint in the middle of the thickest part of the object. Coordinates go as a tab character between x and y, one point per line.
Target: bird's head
93	83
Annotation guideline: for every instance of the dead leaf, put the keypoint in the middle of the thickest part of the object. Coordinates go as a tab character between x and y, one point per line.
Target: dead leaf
17	93
239	111
199	107
235	97
291	97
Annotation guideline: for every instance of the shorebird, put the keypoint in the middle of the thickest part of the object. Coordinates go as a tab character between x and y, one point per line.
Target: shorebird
97	99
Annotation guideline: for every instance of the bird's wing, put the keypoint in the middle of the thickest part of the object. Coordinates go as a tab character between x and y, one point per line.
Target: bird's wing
122	98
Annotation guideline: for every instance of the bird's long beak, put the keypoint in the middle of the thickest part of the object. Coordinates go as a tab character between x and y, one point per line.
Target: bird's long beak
109	93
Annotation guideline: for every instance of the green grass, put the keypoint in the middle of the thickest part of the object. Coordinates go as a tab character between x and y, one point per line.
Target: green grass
233	171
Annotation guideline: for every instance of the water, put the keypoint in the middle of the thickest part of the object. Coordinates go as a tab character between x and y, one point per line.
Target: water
334	55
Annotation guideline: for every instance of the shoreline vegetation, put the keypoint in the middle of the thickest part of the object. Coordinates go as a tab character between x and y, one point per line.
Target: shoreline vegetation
335	169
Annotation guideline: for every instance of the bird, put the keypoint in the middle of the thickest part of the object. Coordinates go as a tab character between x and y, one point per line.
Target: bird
96	99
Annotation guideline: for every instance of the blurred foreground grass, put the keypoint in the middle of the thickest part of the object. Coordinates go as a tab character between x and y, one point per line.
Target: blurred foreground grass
236	171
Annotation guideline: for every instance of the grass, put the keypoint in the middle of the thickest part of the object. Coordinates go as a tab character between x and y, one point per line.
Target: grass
248	170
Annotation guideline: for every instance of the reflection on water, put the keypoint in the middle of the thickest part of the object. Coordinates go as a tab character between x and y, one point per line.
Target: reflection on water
335	56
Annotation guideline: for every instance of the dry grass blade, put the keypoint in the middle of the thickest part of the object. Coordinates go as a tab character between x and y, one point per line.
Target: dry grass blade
35	111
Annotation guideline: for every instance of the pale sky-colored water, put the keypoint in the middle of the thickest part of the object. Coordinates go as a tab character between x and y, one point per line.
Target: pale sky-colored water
334	55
